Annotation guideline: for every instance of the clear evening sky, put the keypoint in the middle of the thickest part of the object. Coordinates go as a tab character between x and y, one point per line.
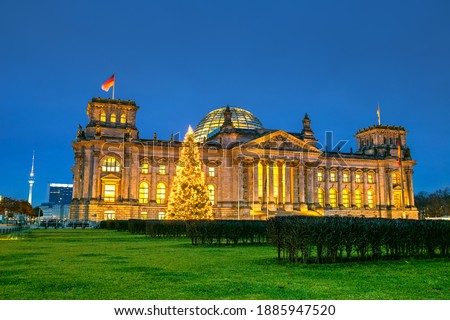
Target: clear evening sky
335	60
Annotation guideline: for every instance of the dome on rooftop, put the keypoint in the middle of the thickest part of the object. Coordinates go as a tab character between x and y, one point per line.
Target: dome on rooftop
241	119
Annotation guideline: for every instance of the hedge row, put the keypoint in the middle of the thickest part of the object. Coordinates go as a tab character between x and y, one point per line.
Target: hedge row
226	231
200	232
334	239
119	225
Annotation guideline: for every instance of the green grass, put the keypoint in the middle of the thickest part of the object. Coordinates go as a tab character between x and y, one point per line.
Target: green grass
102	264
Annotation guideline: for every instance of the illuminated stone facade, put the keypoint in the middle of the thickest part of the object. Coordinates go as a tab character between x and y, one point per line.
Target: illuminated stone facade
251	172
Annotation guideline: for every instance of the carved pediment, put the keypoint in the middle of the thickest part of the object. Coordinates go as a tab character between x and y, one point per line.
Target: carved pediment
111	177
280	140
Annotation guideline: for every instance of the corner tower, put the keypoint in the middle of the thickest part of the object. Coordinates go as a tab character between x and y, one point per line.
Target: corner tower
110	119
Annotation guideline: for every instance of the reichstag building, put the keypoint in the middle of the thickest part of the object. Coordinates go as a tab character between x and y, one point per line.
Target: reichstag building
251	172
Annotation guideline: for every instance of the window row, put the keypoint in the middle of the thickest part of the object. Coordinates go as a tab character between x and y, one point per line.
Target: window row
345	177
161	192
346	198
113	118
112	165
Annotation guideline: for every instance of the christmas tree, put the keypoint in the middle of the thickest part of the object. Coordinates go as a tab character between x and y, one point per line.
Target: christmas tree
189	197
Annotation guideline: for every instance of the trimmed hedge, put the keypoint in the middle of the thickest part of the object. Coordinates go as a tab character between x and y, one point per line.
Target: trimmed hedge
335	239
165	228
119	225
226	231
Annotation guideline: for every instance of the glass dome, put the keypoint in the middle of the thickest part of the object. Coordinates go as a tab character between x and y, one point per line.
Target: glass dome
241	118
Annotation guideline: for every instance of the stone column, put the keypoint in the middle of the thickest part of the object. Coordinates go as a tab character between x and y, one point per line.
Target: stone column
326	177
95	175
154	170
288	205
265	183
352	182
409	174
86	179
389	190
272	205
339	179
77	174
301	184
365	189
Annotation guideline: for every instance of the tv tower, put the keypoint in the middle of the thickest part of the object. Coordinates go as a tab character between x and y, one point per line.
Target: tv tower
31	181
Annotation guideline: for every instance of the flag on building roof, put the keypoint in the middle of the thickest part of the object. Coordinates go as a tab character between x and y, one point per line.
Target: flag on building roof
108	83
379	114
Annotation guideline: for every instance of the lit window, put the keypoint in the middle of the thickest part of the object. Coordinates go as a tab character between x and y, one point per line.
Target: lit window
321	197
320	176
370	178
371	199
345	177
211	172
144	168
162	169
109	215
143	192
358	177
111	165
123	118
333	176
161	193
113	118
143	215
346	198
103	116
358	198
333	198
396	178
212	192
161	215
109	194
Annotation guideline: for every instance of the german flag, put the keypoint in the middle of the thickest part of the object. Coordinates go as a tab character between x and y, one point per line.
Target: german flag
108	83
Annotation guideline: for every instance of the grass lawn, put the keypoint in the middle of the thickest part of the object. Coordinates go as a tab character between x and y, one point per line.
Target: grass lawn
102	264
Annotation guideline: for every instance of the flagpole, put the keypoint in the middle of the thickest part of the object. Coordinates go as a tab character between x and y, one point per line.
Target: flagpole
114	85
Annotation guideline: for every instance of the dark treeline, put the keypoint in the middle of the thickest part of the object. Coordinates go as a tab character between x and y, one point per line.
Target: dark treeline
10	206
436	204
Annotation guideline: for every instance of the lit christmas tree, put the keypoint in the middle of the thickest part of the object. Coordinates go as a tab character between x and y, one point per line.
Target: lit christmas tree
189	197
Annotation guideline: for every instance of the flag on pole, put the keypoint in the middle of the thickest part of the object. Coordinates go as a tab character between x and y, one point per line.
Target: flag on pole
399	152
108	83
379	114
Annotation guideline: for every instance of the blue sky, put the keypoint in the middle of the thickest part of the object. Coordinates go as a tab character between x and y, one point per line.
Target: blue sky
335	60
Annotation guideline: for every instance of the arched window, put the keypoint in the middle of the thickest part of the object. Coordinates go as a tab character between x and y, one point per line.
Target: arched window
123	118
333	198
370	178
143	192
211	172
358	178
358	198
160	193
212	193
346	198
371	198
321	197
103	116
144	168
113	118
111	165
